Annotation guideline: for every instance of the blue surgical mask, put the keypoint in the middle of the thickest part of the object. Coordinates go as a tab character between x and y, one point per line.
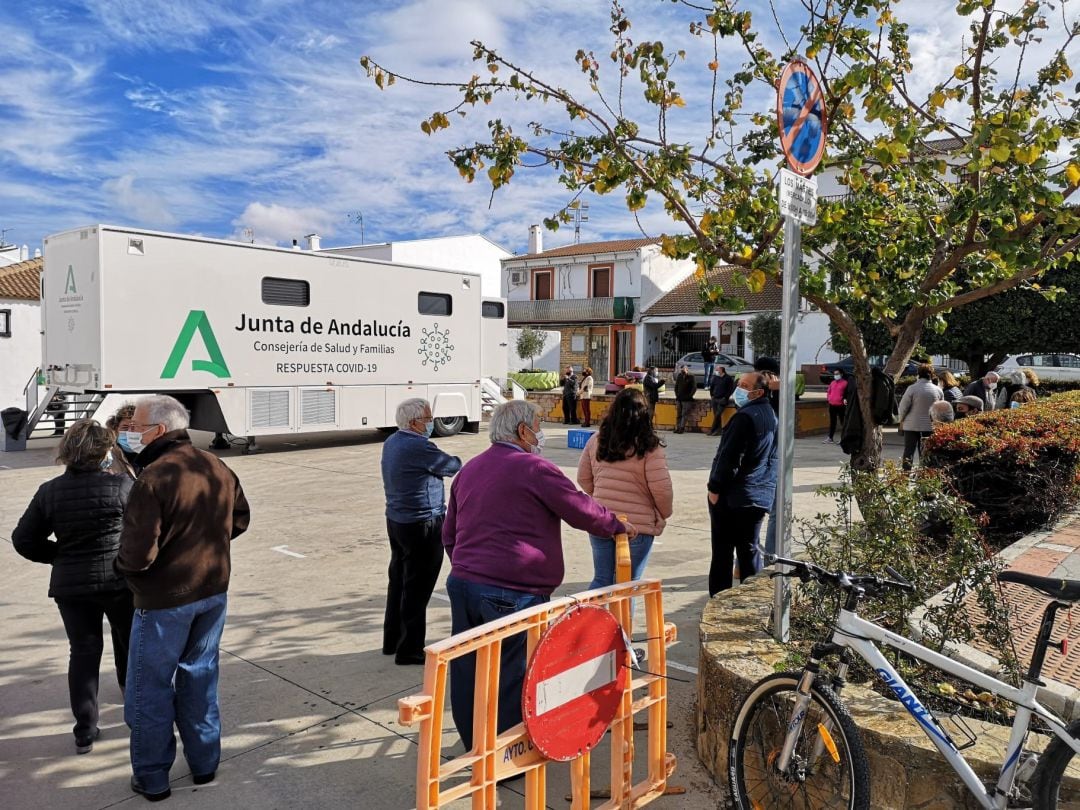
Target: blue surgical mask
106	462
134	441
1014	404
742	396
429	428
123	442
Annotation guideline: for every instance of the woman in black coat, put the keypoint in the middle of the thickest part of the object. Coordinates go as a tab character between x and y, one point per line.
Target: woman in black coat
83	509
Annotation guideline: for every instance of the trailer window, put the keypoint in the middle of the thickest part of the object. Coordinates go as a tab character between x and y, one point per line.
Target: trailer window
286	292
435	303
492	309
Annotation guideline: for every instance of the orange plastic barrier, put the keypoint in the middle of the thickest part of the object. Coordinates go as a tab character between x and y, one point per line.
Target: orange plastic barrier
495	756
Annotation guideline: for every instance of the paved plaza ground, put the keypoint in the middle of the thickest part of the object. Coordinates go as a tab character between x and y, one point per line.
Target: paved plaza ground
309	703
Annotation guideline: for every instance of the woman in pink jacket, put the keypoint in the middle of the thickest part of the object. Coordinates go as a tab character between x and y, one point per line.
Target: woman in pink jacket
624	467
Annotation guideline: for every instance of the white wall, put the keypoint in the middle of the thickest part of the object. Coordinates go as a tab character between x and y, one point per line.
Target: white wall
812	339
20	354
571	277
660	274
472	254
547	361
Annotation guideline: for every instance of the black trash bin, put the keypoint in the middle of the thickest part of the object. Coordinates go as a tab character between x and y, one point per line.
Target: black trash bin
14	420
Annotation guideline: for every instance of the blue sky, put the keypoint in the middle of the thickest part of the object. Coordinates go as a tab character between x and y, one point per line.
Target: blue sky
215	116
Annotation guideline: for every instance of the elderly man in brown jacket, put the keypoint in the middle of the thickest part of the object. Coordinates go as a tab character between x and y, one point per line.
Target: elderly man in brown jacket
183	513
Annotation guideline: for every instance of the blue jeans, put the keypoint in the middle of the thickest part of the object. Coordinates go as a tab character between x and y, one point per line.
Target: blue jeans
172	678
471	605
709	369
603	559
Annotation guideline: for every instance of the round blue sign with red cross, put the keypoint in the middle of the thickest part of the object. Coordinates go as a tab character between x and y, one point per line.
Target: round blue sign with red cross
800	115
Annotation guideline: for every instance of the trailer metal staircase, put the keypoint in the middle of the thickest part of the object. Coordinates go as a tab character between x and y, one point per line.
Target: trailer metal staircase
56	409
494	391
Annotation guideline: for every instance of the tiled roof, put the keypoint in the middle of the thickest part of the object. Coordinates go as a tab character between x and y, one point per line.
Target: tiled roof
684	299
590	248
21	280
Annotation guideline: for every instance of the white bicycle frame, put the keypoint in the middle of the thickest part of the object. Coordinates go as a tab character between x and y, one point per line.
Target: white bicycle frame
862	636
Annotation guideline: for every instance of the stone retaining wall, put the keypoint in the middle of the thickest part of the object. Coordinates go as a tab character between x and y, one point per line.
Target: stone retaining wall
811	416
907	772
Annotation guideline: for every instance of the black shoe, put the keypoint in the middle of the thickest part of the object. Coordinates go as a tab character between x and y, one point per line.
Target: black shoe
137	786
409	659
84	745
204	778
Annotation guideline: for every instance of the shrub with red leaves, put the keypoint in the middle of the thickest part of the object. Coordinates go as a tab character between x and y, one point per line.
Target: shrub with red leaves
1019	467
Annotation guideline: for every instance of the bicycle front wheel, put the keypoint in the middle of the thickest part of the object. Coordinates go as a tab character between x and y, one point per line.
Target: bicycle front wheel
828	768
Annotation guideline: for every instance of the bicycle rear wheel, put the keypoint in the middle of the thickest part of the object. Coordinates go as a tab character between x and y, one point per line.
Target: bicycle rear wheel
1056	781
829	767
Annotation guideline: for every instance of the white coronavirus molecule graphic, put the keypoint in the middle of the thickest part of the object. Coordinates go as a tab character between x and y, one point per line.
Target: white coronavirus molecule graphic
435	347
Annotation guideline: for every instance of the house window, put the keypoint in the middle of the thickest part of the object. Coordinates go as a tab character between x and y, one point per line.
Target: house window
543	287
492	309
5	323
600	281
435	303
286	292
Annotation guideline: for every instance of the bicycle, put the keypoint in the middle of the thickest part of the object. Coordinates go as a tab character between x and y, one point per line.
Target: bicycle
794	744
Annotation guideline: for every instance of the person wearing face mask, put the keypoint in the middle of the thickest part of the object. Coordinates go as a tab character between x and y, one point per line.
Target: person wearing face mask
83	510
503	535
123	458
837	399
413	468
185	510
742	482
985	389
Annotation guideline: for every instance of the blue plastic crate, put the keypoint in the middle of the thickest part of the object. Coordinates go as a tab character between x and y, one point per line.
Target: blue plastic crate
577	439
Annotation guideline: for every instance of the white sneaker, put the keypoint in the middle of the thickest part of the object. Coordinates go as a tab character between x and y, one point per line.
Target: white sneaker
827	440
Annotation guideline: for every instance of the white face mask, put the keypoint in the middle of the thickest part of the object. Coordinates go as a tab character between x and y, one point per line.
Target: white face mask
991	386
135	440
540	439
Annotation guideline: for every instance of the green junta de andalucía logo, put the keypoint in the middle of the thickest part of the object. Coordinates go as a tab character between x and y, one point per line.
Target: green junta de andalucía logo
196	322
69	285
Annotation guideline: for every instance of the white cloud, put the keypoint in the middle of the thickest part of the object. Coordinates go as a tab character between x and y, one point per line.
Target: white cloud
280	224
141	205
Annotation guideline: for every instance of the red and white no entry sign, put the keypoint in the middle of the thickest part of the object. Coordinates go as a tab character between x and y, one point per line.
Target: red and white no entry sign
574	683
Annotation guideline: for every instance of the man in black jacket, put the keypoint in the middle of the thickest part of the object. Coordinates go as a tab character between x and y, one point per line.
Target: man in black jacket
685	388
742	482
569	383
720	390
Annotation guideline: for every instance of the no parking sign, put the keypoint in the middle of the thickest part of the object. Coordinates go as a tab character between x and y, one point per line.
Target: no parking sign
800	115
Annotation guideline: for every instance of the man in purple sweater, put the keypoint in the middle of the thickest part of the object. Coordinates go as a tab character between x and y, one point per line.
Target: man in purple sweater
502	532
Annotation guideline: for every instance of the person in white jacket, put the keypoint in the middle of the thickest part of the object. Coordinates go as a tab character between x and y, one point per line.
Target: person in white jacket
915	412
624	467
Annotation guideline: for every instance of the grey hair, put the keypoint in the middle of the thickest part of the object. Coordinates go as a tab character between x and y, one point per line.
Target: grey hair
942	411
991	374
506	418
409	410
162	409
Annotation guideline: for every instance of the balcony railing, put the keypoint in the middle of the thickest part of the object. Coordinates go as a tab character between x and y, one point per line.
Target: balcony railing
572	310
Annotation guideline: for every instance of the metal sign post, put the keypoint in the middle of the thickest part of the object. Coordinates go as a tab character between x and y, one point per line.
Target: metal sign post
800	113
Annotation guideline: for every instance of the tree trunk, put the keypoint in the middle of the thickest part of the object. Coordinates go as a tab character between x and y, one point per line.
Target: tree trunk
868	456
976	362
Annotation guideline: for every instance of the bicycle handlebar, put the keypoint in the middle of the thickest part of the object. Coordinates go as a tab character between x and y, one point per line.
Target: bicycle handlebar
866	583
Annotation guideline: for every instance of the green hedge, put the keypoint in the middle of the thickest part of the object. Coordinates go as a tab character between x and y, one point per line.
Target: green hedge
1018	467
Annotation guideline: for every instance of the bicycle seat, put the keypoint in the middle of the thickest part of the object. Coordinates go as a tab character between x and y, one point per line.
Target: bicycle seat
1067	590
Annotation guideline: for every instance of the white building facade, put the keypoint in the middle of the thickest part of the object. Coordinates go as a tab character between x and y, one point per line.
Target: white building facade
20	329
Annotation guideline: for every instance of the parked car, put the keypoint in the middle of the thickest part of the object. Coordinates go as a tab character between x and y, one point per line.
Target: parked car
1058	367
848	367
732	363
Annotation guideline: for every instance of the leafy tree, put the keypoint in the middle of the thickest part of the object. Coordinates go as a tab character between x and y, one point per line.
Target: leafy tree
1021	320
530	342
765	334
953	194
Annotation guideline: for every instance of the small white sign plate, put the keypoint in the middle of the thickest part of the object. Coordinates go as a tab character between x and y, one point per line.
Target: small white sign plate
798	197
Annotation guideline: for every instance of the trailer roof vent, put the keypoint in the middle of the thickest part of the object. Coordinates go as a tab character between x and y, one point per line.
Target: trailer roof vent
286	292
136	248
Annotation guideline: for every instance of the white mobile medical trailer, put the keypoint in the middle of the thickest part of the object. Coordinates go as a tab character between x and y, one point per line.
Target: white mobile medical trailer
259	340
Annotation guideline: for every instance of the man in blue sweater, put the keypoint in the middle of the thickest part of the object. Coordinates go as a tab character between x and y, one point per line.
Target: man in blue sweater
742	482
412	470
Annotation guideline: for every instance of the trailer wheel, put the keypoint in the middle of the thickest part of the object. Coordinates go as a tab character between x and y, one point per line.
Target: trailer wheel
449	425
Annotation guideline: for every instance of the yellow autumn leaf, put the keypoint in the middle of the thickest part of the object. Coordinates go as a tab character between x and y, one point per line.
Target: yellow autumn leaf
1026	217
756	281
1072	174
746	252
1026	155
937	99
